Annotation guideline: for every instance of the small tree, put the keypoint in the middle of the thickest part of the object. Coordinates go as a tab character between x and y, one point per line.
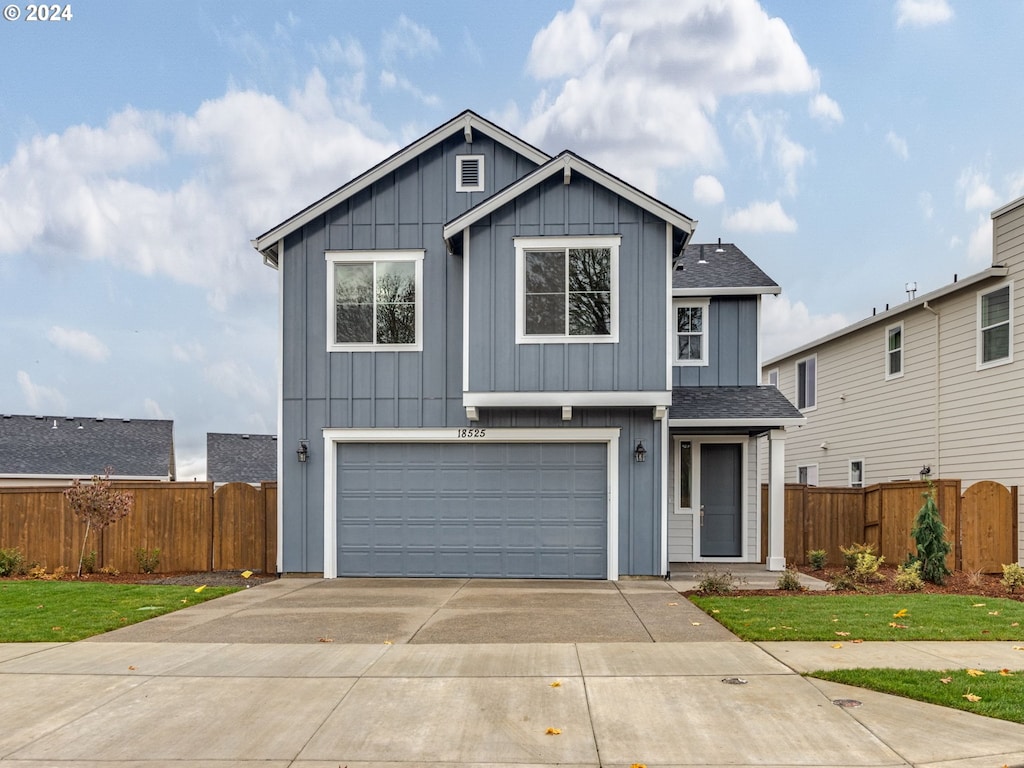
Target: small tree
930	534
99	504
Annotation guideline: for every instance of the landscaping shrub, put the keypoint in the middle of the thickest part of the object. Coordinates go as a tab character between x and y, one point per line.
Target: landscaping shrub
930	534
865	568
148	559
851	552
99	504
908	577
11	562
1013	577
789	580
717	583
817	558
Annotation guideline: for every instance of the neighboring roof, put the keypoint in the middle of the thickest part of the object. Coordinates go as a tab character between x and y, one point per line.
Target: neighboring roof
889	314
1008	207
465	122
49	446
567	163
719	269
241	458
743	407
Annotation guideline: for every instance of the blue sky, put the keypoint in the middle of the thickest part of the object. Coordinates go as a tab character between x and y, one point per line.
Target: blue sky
848	148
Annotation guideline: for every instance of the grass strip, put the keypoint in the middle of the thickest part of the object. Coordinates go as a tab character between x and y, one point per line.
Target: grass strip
845	618
60	611
993	693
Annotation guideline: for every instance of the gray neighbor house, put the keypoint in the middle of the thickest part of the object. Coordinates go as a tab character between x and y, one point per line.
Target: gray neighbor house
501	363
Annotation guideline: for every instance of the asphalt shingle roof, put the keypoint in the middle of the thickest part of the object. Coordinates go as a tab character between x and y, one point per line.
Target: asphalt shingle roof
737	403
232	458
730	269
82	447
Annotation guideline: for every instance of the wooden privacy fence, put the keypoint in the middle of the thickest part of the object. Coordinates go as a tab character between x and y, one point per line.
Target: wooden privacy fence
194	528
981	524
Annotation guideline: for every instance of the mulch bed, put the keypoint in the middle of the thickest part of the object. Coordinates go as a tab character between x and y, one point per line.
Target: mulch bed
179	578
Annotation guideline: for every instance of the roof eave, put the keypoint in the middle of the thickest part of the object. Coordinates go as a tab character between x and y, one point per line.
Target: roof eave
740	423
727	291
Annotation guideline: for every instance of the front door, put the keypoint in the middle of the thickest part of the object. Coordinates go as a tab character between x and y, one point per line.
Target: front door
721	529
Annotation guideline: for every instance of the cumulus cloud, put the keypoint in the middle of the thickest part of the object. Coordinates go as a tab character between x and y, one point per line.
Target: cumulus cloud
407	40
77	342
922	13
761	217
766	134
41	400
627	94
787	325
708	190
392	81
823	108
976	191
898	145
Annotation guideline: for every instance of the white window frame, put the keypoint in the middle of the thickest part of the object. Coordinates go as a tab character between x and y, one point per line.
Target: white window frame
812	474
524	244
857	483
796	370
704	306
981	365
889	373
374	257
773	378
481	166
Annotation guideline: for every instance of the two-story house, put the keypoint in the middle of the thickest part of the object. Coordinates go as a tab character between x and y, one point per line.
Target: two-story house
500	363
935	383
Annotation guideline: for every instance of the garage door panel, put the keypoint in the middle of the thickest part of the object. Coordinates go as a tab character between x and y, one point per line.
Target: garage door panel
472	509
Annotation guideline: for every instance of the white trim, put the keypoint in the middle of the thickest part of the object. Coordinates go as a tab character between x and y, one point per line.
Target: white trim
1007	208
332	258
889	375
814	466
696	441
669	269
768	378
280	415
524	244
760	290
465	312
705	334
663	505
460	160
796	377
849	468
561	399
979	339
334	436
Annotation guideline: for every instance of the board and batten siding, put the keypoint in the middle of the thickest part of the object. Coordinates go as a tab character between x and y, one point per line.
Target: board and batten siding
732	346
636	362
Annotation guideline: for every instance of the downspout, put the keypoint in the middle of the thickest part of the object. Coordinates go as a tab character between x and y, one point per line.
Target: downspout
938	355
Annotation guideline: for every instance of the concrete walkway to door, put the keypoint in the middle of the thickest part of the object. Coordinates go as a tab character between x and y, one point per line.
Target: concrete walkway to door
465	673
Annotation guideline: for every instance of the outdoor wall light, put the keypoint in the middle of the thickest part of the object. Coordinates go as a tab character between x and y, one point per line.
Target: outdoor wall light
925	471
640	453
303	451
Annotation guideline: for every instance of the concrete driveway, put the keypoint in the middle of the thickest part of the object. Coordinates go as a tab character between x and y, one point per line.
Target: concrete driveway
382	673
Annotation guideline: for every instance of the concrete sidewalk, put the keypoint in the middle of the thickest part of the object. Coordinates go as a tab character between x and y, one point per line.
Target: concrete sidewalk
407	697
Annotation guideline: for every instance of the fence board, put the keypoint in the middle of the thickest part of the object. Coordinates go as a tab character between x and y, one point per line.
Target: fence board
987	515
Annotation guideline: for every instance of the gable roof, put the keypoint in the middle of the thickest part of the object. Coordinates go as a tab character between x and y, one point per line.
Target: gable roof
566	163
749	406
48	446
232	458
718	269
466	122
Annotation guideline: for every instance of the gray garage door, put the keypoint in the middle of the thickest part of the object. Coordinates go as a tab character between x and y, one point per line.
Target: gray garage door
473	509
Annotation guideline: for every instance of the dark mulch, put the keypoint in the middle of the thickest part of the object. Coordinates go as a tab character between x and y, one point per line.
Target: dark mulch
179	578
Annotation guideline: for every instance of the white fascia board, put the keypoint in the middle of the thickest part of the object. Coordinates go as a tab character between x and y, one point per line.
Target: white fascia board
560	399
1007	208
387	166
757	290
889	314
759	423
473	434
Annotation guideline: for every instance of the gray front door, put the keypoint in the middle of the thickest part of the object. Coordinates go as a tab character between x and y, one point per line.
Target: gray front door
721	532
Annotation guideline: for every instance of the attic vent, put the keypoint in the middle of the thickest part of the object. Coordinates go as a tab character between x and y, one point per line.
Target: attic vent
469	173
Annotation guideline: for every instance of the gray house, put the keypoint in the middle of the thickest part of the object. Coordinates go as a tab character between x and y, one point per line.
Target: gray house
499	363
240	458
48	450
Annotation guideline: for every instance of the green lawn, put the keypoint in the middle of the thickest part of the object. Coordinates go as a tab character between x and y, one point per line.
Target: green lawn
844	618
57	611
994	694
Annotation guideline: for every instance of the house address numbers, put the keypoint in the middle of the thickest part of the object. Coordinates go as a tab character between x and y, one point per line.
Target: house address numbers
467	434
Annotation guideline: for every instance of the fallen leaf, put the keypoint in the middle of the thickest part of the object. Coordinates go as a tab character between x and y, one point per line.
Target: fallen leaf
56	629
556	684
897	626
673	603
858	640
553	731
843	634
945	680
838	645
644	765
246	574
900	613
771	629
1018	647
978	605
388	642
993	613
1015	624
1005	673
325	640
975	673
199	589
715	610
695	623
131	668
972	696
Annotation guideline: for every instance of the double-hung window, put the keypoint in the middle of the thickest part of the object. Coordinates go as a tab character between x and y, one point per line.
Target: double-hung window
807	383
995	326
374	300
856	473
566	289
691	329
894	351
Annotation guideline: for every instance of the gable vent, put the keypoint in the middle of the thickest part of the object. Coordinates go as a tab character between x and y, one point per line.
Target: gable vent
469	173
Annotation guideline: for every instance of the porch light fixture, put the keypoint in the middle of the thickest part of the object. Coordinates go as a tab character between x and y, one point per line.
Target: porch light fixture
640	453
925	471
303	451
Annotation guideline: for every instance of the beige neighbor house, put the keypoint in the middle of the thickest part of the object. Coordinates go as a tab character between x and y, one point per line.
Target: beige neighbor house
936	382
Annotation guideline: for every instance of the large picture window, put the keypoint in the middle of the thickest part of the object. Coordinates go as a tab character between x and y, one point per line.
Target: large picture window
566	289
374	300
995	326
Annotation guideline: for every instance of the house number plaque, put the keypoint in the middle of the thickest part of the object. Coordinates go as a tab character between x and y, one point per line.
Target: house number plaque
471	433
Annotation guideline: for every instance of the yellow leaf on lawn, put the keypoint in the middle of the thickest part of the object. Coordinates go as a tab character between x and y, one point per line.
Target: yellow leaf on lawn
556	684
975	673
843	634
199	589
838	645
715	610
246	574
897	626
1015	624
993	613
1005	673
900	613
553	731
978	605
972	696
945	680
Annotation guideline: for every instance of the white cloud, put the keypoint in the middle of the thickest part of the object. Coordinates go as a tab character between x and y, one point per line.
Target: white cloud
761	217
979	244
348	53
80	343
823	108
391	81
627	93
898	145
408	40
786	325
708	190
766	134
922	13
976	191
41	400
790	158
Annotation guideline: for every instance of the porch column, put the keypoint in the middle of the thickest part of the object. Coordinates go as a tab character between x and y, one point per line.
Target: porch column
776	500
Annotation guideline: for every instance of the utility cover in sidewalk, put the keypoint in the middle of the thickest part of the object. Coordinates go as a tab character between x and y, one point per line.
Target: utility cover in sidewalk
846	703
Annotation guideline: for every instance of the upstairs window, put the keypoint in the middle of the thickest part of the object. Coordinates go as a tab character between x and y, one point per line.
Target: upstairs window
773	378
469	173
374	300
995	330
894	351
566	289
691	329
807	474
807	383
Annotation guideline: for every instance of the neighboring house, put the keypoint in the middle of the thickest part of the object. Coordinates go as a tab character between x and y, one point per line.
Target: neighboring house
498	363
936	382
48	450
234	458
